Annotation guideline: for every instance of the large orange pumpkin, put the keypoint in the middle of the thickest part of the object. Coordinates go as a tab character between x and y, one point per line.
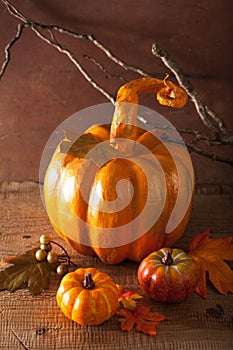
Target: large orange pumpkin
70	175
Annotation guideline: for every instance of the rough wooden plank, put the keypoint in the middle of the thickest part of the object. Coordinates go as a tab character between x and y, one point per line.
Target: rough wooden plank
36	322
9	340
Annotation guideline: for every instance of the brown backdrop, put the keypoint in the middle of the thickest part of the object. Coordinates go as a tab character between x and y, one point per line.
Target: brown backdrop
41	87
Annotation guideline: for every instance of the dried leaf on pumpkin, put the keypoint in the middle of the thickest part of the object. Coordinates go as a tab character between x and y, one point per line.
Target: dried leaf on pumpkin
145	319
209	254
27	270
82	145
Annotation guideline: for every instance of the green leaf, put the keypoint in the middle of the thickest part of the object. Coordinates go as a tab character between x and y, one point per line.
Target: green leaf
27	270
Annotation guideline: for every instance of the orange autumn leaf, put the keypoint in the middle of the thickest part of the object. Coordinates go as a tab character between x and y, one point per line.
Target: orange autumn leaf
210	254
145	319
128	299
121	289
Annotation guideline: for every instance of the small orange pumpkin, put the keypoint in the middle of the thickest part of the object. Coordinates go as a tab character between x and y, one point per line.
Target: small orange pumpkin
88	296
67	176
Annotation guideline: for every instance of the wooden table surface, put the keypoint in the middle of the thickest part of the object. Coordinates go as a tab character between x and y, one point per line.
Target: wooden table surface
28	322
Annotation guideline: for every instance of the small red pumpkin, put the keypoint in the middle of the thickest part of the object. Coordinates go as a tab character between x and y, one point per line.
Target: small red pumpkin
88	296
168	275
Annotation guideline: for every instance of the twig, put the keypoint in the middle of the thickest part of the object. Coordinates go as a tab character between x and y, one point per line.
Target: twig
65	257
209	154
68	53
18	34
15	12
220	134
29	23
117	60
103	69
199	136
208	117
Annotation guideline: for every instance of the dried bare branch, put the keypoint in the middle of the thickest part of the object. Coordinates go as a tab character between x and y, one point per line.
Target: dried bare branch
199	136
29	23
117	60
103	69
68	53
208	117
8	47
220	134
15	12
209	154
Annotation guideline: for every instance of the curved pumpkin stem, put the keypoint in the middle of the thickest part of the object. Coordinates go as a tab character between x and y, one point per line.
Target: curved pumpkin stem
125	115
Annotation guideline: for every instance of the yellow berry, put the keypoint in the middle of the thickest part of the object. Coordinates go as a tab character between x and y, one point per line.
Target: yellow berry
41	255
45	239
52	257
62	270
46	247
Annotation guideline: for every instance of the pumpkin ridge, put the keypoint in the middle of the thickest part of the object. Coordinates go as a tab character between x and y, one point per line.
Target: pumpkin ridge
63	304
177	257
107	303
99	277
83	298
110	286
176	268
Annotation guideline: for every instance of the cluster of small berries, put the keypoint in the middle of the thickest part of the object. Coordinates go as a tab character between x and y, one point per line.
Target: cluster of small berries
45	253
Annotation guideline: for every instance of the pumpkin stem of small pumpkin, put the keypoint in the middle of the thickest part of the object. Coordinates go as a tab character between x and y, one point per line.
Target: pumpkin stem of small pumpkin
88	283
167	259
